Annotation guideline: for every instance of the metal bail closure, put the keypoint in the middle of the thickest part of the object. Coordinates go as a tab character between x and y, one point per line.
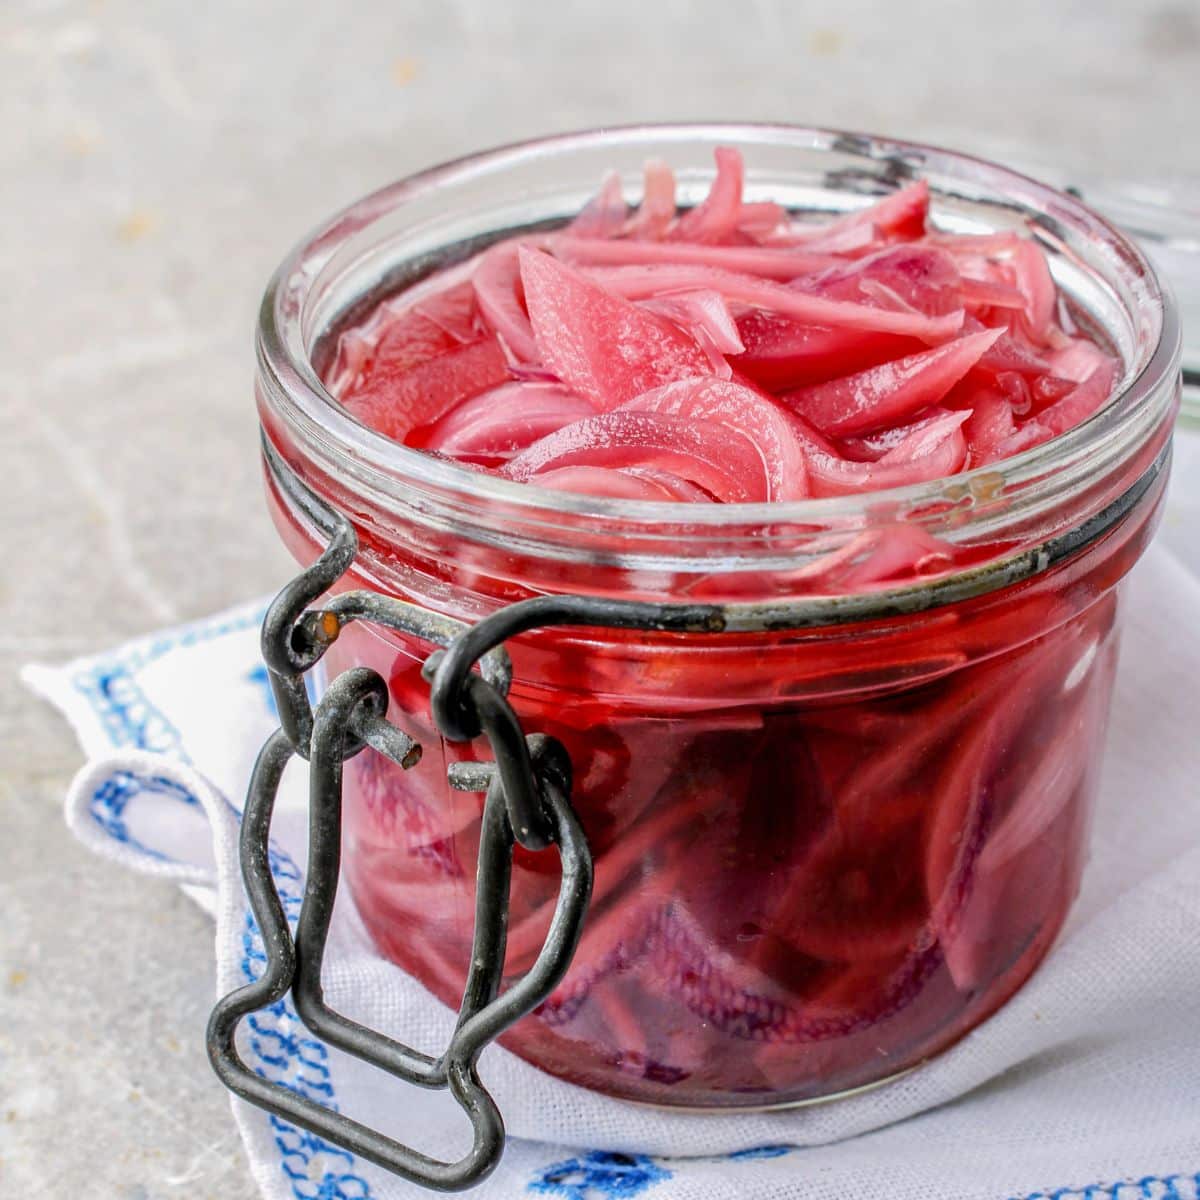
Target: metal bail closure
528	777
485	1011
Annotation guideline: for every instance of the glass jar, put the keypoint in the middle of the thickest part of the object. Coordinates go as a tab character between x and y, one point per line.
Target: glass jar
828	846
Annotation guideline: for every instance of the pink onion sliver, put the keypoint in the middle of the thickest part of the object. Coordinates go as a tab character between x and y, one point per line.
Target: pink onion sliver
937	453
1007	353
892	391
904	211
677	487
506	418
353	350
1077	405
600	345
991	423
850	241
1079	360
605	214
818	239
657	209
812	440
532	373
720	460
701	312
1039	803
897	550
1030	434
611	482
923	277
640	283
887	297
981	266
716	217
713	403
496	279
975	244
760	218
716	357
453	311
901	214
877	555
871	447
1016	391
926	438
766	261
988	292
1036	285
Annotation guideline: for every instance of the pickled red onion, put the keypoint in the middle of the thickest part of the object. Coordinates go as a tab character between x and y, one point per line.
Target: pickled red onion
729	353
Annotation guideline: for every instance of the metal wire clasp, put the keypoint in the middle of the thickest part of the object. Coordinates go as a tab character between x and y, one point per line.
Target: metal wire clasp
528	788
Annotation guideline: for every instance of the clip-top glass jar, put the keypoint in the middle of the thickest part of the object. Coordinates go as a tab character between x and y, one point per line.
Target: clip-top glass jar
825	849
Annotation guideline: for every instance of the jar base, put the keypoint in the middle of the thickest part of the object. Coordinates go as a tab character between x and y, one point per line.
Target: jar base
724	1110
1018	974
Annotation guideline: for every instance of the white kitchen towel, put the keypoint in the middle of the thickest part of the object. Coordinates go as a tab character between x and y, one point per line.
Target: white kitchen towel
1086	1085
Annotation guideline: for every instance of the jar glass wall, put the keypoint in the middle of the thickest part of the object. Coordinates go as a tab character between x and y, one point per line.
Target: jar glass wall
821	855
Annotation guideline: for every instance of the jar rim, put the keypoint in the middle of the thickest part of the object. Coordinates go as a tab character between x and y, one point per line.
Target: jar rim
390	470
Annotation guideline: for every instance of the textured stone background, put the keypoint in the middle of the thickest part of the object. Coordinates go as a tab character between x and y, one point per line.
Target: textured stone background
157	159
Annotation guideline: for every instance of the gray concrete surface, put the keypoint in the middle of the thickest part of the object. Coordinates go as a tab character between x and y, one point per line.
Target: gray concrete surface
156	159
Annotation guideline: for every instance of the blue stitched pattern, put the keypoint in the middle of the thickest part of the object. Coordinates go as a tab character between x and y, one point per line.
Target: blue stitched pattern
111	798
599	1174
129	718
281	1049
602	1173
760	1152
117	698
1149	1187
285	1053
278	1042
315	1169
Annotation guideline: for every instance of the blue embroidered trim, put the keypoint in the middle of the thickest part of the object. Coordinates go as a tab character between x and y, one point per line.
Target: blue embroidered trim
604	1173
109	801
278	1042
600	1173
280	1047
1149	1187
287	1054
118	700
761	1152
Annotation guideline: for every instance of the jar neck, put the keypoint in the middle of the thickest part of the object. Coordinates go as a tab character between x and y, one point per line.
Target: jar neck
411	507
809	650
480	585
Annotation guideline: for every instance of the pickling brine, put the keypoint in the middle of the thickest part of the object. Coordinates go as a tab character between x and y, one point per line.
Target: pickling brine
794	894
822	853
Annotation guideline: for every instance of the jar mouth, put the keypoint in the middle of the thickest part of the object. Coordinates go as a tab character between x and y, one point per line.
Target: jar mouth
319	282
